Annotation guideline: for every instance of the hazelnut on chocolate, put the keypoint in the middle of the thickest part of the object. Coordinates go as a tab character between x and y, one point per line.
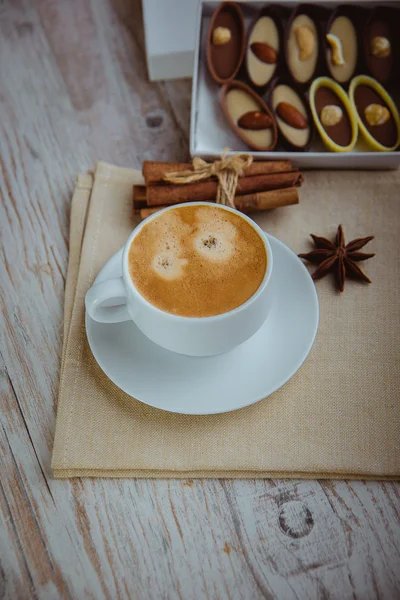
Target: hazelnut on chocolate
381	43
331	115
225	42
221	36
380	47
376	114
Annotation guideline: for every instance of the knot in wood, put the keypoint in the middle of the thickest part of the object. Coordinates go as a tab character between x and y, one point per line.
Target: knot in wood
295	519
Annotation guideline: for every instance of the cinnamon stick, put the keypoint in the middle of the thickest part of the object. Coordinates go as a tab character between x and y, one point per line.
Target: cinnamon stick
154	172
173	194
266	200
139	198
250	202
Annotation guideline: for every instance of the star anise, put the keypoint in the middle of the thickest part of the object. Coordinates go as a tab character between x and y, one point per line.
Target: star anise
338	258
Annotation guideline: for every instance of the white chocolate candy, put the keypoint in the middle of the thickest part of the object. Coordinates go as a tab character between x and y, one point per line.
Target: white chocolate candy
342	54
264	31
302	61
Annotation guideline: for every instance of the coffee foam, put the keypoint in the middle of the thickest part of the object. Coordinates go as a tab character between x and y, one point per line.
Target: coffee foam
216	237
168	265
197	261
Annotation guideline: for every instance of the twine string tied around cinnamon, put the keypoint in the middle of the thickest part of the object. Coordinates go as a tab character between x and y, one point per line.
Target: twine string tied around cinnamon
227	170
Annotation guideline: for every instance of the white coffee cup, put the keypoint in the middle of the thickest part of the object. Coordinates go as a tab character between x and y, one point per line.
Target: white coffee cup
116	300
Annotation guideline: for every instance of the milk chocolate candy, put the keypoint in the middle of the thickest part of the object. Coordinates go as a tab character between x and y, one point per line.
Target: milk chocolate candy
226	42
249	116
380	124
341	131
264	47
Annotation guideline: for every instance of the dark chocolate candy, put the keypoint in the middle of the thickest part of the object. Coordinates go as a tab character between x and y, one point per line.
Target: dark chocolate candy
385	134
383	22
224	60
340	133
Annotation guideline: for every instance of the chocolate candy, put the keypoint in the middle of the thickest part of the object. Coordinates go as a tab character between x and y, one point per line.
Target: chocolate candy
341	132
264	47
249	116
381	43
341	44
225	42
385	133
292	114
302	44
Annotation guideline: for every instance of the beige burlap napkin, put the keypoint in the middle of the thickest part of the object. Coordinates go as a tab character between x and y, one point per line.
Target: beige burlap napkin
339	416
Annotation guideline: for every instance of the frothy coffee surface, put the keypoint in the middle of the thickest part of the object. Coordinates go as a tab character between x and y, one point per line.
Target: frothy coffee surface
197	261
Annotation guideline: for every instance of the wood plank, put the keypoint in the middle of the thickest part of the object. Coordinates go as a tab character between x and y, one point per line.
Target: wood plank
74	89
100	57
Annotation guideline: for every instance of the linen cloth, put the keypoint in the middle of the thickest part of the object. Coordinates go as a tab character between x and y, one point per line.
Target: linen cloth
338	417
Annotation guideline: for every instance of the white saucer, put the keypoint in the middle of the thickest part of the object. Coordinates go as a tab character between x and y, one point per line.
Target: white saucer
215	384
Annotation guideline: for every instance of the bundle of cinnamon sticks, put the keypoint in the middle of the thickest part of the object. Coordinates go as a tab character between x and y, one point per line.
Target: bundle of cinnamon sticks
264	185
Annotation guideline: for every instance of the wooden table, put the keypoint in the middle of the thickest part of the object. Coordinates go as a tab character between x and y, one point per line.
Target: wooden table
74	89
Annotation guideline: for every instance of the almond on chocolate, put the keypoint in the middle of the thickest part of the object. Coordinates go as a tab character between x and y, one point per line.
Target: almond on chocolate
293	105
291	115
264	46
249	116
264	52
255	120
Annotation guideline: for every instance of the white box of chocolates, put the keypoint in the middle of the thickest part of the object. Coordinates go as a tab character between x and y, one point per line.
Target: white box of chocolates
317	84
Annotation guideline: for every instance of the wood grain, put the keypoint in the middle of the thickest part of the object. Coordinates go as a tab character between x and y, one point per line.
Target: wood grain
73	90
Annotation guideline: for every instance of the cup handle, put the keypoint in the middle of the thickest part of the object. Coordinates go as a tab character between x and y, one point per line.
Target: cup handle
112	289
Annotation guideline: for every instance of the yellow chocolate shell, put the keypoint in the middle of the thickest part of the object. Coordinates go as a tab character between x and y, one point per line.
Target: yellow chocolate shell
371	141
339	91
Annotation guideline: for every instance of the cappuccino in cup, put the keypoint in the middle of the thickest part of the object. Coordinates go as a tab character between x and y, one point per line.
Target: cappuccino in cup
195	279
197	261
